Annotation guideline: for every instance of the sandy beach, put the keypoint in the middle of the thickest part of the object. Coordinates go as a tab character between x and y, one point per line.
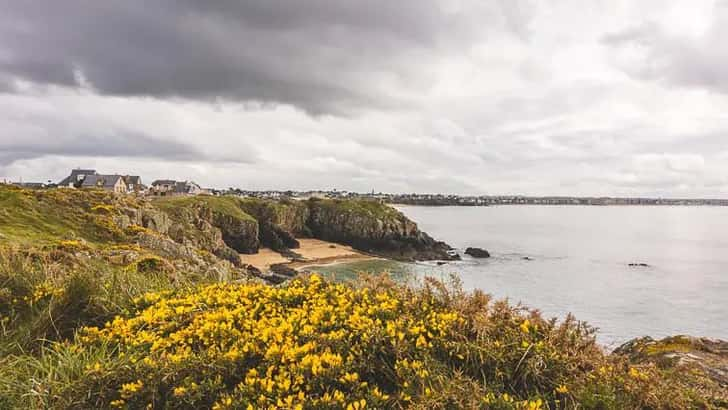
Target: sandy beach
313	252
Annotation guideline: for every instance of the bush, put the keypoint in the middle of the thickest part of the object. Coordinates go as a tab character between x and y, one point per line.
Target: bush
152	264
103	209
314	344
46	298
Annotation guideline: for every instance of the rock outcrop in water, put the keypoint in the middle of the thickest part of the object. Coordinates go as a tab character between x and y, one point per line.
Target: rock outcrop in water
477	253
638	265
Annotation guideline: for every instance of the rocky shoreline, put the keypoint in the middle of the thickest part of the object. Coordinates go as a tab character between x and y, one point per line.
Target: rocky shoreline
230	226
704	359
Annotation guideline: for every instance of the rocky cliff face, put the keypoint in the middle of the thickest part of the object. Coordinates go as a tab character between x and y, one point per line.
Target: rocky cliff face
279	221
216	225
186	237
239	234
226	226
372	227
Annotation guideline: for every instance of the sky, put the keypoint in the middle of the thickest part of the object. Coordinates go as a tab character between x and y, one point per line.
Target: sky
572	97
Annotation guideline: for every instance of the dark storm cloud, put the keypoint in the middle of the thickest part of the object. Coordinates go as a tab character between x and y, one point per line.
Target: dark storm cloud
322	56
695	61
111	145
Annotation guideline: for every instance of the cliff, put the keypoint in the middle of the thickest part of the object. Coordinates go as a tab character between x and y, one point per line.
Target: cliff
181	228
194	235
280	222
368	226
372	227
211	223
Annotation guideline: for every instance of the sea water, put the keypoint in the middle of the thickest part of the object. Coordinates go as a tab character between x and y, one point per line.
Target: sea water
562	259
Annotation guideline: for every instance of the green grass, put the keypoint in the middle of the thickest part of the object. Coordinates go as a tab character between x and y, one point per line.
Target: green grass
225	205
44	217
289	214
21	219
369	208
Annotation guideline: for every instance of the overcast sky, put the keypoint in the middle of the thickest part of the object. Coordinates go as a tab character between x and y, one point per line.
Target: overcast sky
582	97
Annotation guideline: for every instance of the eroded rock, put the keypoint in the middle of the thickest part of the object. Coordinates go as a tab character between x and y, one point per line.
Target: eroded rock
477	252
708	356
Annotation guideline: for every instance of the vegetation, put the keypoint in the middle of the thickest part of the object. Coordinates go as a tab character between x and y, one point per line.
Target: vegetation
91	318
313	344
226	205
361	207
45	216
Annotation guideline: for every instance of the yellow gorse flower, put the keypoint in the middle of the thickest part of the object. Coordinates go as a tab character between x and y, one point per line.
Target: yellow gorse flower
525	326
308	343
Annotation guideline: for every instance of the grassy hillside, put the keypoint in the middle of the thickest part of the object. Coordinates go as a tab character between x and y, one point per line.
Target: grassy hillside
70	258
100	308
43	217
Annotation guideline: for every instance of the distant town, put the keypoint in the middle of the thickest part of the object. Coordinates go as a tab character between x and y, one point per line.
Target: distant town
132	184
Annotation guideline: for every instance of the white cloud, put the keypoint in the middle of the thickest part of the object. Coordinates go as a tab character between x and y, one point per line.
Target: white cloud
574	97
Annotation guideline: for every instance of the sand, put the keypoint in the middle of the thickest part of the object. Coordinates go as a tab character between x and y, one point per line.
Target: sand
264	258
313	251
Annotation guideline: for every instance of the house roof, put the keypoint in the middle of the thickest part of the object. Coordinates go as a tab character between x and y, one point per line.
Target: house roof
74	175
186	186
105	181
133	179
164	182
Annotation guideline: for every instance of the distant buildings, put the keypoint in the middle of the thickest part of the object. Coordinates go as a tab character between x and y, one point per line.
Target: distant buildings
169	187
76	178
129	184
466	200
89	178
132	184
114	183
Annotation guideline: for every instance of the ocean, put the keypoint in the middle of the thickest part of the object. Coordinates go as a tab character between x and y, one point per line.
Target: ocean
562	259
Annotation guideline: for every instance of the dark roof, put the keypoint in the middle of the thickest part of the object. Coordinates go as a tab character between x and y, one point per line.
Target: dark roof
105	181
133	179
73	178
77	171
185	187
164	182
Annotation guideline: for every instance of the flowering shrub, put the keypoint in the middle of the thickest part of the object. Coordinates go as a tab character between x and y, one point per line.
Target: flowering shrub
316	344
72	245
133	230
103	208
310	343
